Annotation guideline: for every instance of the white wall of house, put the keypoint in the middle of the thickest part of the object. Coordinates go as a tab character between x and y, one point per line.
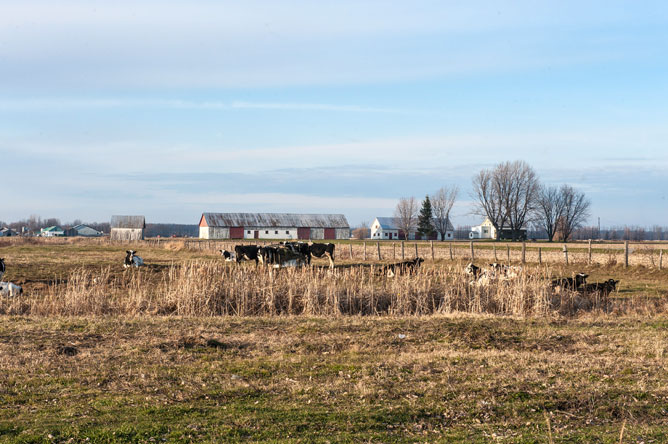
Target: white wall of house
270	233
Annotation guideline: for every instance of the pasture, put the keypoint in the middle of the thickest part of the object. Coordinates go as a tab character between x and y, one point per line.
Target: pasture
192	349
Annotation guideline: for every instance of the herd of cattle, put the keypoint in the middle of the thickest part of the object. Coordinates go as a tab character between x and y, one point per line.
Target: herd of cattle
497	273
295	254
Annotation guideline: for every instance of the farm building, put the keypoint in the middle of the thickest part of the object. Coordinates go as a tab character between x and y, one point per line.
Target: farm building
127	227
273	226
386	228
7	232
52	231
82	230
486	230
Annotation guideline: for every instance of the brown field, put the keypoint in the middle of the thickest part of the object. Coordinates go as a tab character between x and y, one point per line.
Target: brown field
192	349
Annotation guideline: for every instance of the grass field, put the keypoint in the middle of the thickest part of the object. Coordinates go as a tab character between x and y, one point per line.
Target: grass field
584	376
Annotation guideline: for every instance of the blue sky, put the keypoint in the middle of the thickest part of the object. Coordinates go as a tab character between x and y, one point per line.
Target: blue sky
169	109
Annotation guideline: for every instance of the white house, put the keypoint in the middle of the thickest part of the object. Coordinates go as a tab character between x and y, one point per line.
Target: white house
386	228
273	226
486	230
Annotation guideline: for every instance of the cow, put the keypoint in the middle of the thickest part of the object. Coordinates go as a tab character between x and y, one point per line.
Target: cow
570	283
228	256
246	253
2	267
132	260
494	273
410	267
9	290
604	288
473	270
282	256
313	250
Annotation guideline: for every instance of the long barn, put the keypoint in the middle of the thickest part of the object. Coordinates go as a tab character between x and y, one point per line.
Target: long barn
273	226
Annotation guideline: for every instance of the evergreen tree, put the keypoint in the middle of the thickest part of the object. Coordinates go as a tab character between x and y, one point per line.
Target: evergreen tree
425	219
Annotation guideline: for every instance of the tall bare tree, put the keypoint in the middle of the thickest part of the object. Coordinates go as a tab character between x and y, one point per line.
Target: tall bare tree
549	209
405	215
441	204
575	212
506	195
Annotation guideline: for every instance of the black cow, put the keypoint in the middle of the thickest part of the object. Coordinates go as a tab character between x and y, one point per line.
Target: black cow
604	288
570	283
246	252
2	267
410	267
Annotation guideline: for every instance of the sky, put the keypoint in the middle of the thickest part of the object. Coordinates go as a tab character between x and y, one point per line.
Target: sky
173	108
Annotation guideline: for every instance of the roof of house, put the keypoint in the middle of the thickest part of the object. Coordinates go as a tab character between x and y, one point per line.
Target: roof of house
81	227
52	228
275	220
128	222
390	223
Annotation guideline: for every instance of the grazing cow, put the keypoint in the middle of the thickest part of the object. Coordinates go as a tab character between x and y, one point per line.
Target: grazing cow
229	256
313	250
9	290
246	253
132	260
570	283
410	267
473	270
2	267
604	288
495	273
282	256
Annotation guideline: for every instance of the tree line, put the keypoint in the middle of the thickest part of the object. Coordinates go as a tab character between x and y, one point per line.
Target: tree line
511	196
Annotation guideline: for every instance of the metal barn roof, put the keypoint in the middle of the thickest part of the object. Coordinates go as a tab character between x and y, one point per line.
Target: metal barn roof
275	220
128	222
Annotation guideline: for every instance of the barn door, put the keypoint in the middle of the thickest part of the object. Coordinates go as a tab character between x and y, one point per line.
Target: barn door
330	233
256	235
303	233
236	232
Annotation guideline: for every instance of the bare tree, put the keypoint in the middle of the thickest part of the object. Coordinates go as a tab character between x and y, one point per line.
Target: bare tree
575	211
441	204
490	197
549	209
405	215
362	231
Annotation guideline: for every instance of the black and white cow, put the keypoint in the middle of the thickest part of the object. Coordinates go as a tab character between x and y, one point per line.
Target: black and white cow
2	267
246	253
313	250
282	256
570	283
404	267
132	260
604	288
227	255
9	290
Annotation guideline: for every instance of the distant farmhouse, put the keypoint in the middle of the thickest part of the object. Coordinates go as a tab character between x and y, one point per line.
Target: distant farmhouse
7	232
387	228
52	231
486	230
82	230
127	228
273	226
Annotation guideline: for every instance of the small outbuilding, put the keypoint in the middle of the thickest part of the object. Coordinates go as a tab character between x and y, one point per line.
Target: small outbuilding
273	226
127	228
7	232
53	231
82	230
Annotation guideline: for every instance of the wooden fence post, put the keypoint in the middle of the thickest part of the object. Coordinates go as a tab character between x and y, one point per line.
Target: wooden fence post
432	250
472	252
540	256
416	250
566	253
660	259
494	248
626	254
394	250
378	248
365	251
402	250
589	260
351	250
524	252
508	253
451	255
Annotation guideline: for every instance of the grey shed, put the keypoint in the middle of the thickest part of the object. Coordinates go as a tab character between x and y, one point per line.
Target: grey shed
127	228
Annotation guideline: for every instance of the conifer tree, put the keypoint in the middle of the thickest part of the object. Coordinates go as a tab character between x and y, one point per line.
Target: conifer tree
425	220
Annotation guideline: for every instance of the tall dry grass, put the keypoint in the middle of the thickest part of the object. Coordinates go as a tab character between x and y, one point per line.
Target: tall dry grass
212	288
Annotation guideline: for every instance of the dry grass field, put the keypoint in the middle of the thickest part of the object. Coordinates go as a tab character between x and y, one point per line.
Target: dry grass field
190	349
